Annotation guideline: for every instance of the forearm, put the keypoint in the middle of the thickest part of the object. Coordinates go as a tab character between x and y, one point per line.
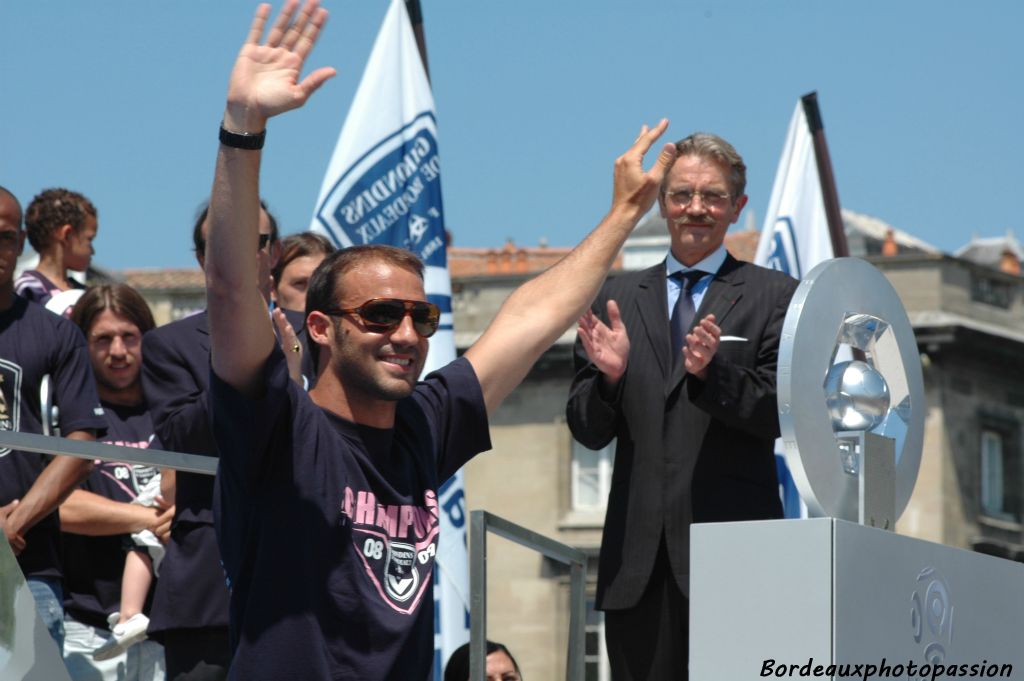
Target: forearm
239	326
553	301
91	514
234	213
53	485
541	310
168	484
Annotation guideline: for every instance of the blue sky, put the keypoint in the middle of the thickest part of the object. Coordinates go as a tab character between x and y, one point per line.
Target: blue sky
922	103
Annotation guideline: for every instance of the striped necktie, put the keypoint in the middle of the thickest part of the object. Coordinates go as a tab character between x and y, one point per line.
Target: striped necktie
682	313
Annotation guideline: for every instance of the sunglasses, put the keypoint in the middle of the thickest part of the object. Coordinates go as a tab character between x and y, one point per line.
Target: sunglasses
384	315
261	244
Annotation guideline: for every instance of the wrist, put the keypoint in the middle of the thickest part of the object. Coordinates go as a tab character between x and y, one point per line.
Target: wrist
625	212
243	120
242	140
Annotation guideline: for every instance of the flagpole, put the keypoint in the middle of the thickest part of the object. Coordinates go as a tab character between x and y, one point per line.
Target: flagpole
478	652
828	181
416	19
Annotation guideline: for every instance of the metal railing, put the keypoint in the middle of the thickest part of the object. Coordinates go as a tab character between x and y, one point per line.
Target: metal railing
482	522
87	449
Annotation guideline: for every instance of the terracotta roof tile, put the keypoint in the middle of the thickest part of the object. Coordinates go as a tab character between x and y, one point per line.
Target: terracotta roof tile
509	259
165	279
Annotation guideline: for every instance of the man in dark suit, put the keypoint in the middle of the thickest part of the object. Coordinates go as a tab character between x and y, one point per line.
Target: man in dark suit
190	606
681	372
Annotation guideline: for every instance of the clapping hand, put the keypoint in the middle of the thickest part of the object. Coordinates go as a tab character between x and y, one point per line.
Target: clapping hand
701	346
606	346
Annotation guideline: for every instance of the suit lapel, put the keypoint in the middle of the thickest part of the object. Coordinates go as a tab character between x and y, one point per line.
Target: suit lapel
203	329
652	304
722	295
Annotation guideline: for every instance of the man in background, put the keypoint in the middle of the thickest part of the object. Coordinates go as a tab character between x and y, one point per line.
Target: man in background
35	343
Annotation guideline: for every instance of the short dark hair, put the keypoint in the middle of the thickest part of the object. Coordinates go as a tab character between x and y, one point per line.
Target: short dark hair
458	664
120	299
323	291
4	190
199	243
297	246
52	209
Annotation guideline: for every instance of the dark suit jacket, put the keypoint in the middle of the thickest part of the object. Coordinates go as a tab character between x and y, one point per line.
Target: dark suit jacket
688	450
176	378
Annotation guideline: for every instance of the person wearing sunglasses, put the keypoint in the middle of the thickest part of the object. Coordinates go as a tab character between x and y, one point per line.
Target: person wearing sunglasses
328	512
189	615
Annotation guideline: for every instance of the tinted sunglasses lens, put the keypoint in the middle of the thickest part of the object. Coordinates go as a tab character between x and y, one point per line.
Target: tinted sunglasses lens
386	314
425	318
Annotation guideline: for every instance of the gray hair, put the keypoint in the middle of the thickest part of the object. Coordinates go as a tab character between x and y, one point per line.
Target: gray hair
706	145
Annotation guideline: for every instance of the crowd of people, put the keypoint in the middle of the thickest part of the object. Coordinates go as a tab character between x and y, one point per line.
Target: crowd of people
311	553
92	538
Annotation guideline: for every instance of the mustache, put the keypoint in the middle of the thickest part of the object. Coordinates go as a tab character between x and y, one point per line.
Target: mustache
693	220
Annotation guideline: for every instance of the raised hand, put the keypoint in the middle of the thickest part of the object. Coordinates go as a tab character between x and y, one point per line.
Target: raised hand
701	346
634	188
290	345
606	346
265	80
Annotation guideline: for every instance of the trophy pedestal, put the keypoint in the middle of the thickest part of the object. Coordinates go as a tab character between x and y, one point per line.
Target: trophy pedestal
824	591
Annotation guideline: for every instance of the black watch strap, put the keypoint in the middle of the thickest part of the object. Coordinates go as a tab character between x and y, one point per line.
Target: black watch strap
242	140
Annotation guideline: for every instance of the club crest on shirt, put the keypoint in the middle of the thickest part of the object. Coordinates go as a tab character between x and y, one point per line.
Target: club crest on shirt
10	399
400	574
396	543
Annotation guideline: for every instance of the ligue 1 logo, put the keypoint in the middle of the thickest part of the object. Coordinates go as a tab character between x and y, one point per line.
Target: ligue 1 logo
931	615
392	196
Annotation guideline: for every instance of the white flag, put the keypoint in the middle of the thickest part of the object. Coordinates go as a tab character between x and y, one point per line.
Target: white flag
795	238
383	186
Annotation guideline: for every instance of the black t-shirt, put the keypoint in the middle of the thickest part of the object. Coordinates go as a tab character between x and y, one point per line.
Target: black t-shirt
328	530
33	343
93	566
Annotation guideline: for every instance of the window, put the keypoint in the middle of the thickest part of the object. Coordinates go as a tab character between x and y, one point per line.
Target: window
1000	474
595	653
992	291
591	476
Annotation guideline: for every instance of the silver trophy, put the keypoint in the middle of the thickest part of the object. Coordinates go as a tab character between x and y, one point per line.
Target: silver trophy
851	397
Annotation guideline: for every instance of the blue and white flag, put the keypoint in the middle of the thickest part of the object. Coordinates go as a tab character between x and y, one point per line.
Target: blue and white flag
383	186
795	238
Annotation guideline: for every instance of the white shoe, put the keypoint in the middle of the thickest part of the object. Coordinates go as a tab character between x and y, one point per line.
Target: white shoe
125	635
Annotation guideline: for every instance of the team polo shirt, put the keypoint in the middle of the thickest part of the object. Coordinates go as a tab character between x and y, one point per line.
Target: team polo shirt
328	530
33	343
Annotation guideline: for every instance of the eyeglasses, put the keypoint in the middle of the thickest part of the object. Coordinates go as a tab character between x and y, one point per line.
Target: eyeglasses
384	315
709	197
261	244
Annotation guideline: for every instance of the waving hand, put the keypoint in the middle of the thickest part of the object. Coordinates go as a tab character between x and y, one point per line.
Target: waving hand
265	80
